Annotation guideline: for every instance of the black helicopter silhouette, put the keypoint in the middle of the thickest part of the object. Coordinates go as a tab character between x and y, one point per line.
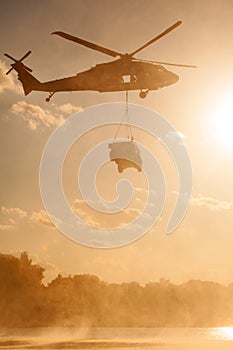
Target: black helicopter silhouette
124	74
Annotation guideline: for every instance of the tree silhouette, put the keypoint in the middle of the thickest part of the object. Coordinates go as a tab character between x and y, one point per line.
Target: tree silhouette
85	300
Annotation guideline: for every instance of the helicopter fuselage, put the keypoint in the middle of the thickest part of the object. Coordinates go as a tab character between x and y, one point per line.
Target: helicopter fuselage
115	76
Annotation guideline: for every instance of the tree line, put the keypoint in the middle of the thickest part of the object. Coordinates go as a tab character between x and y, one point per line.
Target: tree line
86	301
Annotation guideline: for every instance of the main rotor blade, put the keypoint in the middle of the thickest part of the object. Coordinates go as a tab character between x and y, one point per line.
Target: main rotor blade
168	30
176	64
88	44
170	64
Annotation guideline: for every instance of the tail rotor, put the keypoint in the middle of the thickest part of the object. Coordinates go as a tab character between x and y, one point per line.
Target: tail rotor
18	61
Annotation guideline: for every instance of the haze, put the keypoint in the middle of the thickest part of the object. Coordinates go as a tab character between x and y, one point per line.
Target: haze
198	106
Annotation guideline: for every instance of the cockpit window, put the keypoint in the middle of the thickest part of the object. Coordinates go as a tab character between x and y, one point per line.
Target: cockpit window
161	69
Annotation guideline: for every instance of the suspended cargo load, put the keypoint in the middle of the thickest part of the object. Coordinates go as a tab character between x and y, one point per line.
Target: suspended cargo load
125	154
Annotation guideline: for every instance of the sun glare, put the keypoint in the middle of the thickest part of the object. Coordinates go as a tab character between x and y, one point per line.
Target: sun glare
224	333
222	118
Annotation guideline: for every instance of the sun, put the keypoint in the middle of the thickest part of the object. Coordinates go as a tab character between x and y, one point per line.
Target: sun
222	121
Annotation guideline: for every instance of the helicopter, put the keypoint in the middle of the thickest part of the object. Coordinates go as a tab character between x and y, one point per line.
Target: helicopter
123	74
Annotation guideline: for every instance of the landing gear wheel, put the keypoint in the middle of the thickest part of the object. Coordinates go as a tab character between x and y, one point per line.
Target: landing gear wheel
50	96
143	94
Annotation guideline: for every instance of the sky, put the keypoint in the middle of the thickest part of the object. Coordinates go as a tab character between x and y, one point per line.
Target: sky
199	106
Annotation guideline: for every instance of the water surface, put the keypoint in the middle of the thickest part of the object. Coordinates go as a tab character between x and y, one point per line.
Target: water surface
118	338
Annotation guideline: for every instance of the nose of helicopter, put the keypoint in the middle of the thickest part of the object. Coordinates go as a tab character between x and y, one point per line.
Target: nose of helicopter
174	78
170	78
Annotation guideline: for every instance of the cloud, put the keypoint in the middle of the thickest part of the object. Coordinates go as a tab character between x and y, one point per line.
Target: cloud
35	116
83	209
175	135
15	215
212	203
16	212
68	108
7	82
41	218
